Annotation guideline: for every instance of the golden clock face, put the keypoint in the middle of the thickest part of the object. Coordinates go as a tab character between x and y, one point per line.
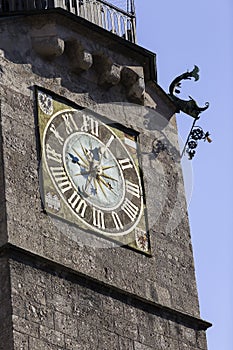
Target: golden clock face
91	173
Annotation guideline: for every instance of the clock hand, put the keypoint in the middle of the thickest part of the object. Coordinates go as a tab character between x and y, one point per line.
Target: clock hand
83	173
88	182
83	190
95	184
103	150
74	159
101	186
109	177
86	164
108	167
87	153
102	181
109	186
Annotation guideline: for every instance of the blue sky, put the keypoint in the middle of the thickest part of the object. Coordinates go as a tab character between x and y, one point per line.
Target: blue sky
184	33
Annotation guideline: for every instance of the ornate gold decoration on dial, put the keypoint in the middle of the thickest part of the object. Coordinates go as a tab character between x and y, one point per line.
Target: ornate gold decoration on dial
45	102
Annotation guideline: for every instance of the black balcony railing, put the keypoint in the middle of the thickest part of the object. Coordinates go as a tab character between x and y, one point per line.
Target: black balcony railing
99	12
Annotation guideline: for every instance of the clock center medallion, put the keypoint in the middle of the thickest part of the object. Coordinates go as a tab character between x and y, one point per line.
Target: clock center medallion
93	170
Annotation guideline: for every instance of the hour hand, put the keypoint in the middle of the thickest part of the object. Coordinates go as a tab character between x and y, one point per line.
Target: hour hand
74	159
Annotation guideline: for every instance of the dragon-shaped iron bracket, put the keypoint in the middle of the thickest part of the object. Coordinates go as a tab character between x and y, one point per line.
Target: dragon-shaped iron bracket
189	107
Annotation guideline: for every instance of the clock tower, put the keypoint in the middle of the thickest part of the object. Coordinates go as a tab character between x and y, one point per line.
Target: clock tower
95	245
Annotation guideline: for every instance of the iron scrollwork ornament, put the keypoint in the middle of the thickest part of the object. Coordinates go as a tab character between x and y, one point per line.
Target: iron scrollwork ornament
195	135
191	108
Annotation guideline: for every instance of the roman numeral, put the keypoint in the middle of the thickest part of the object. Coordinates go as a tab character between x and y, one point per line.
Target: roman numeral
77	203
125	163
51	154
90	125
117	221
61	178
69	123
56	134
132	188
130	209
98	218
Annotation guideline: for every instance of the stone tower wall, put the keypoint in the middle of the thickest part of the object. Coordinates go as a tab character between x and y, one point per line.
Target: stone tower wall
63	294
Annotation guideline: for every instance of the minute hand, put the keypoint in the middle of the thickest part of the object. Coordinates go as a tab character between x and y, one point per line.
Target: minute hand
101	180
103	150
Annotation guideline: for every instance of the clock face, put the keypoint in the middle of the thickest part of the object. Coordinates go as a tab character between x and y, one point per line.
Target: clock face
91	173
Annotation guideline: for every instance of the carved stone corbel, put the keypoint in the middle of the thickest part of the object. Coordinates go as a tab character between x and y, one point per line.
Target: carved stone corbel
133	79
48	46
80	59
109	72
46	41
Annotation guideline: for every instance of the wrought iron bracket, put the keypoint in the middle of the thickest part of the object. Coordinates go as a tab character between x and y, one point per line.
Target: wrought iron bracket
191	108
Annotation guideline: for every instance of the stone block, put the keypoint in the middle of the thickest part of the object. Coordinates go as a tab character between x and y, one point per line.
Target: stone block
140	346
201	340
38	344
21	325
52	336
80	59
39	314
110	76
48	47
65	324
126	328
107	340
74	344
58	302
126	343
21	341
133	79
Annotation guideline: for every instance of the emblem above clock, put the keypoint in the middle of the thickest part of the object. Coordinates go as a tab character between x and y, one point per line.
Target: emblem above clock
91	172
